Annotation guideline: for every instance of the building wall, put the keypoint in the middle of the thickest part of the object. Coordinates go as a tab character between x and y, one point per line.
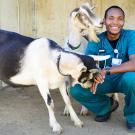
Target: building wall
126	5
37	18
49	18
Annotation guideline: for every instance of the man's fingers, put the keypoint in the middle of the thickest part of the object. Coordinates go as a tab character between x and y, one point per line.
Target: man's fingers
99	78
97	81
94	87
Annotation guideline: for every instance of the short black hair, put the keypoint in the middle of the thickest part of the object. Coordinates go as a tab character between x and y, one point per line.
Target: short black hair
114	6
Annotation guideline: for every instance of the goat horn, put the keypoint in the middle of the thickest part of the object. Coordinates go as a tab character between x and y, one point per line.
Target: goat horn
92	7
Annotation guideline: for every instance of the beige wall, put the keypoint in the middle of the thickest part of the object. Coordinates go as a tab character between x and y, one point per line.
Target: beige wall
49	17
127	5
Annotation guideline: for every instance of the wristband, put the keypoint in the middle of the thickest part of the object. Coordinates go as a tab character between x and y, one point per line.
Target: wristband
108	70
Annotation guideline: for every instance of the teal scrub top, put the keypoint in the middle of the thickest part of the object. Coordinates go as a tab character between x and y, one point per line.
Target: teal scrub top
125	47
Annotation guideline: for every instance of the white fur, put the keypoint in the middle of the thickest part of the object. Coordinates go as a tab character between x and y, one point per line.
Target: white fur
38	67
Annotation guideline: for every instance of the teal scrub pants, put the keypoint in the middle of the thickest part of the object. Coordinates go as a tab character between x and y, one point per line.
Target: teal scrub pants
99	103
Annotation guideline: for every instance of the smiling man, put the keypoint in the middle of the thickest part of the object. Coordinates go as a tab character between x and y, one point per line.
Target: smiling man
118	72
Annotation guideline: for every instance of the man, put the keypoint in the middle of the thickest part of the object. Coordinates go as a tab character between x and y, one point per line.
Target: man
118	72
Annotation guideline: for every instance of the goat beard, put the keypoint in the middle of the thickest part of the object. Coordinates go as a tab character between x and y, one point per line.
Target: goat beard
93	35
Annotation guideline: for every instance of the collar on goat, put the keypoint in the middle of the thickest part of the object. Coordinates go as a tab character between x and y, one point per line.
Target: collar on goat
72	47
58	65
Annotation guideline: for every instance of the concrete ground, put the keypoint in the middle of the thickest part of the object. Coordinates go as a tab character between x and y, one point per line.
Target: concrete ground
23	112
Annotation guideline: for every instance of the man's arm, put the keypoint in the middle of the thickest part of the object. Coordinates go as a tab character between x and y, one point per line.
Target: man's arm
128	66
124	67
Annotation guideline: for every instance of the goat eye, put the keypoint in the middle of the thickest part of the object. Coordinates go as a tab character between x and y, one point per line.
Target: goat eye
83	80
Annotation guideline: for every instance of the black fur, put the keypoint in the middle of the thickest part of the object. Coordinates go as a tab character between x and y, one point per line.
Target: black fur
88	61
75	10
90	64
67	84
49	99
54	45
12	46
89	12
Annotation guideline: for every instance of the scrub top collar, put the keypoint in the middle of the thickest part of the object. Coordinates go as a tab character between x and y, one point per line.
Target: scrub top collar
106	45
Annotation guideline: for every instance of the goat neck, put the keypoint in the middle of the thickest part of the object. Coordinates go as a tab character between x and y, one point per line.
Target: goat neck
67	63
74	37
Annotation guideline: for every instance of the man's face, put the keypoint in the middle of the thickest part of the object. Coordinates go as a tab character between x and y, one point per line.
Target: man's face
114	21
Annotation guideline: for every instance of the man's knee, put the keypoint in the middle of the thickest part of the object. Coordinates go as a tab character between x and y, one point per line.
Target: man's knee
75	91
128	80
81	94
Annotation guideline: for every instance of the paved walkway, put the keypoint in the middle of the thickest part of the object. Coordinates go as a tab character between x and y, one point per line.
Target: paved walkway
23	112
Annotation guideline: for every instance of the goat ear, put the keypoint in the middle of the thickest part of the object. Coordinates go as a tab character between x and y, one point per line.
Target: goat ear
94	70
84	69
74	14
81	68
78	70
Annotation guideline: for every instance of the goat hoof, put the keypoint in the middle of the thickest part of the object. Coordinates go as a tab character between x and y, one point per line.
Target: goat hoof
84	111
66	112
79	124
57	129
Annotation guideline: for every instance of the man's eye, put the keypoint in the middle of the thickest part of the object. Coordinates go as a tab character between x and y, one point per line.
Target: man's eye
111	18
121	19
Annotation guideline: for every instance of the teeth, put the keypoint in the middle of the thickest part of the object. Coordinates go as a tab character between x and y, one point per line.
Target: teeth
114	27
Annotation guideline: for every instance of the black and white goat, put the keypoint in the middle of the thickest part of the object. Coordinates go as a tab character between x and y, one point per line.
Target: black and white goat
83	26
26	61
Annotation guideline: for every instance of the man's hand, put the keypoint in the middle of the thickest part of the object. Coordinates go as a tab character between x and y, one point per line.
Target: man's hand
98	79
